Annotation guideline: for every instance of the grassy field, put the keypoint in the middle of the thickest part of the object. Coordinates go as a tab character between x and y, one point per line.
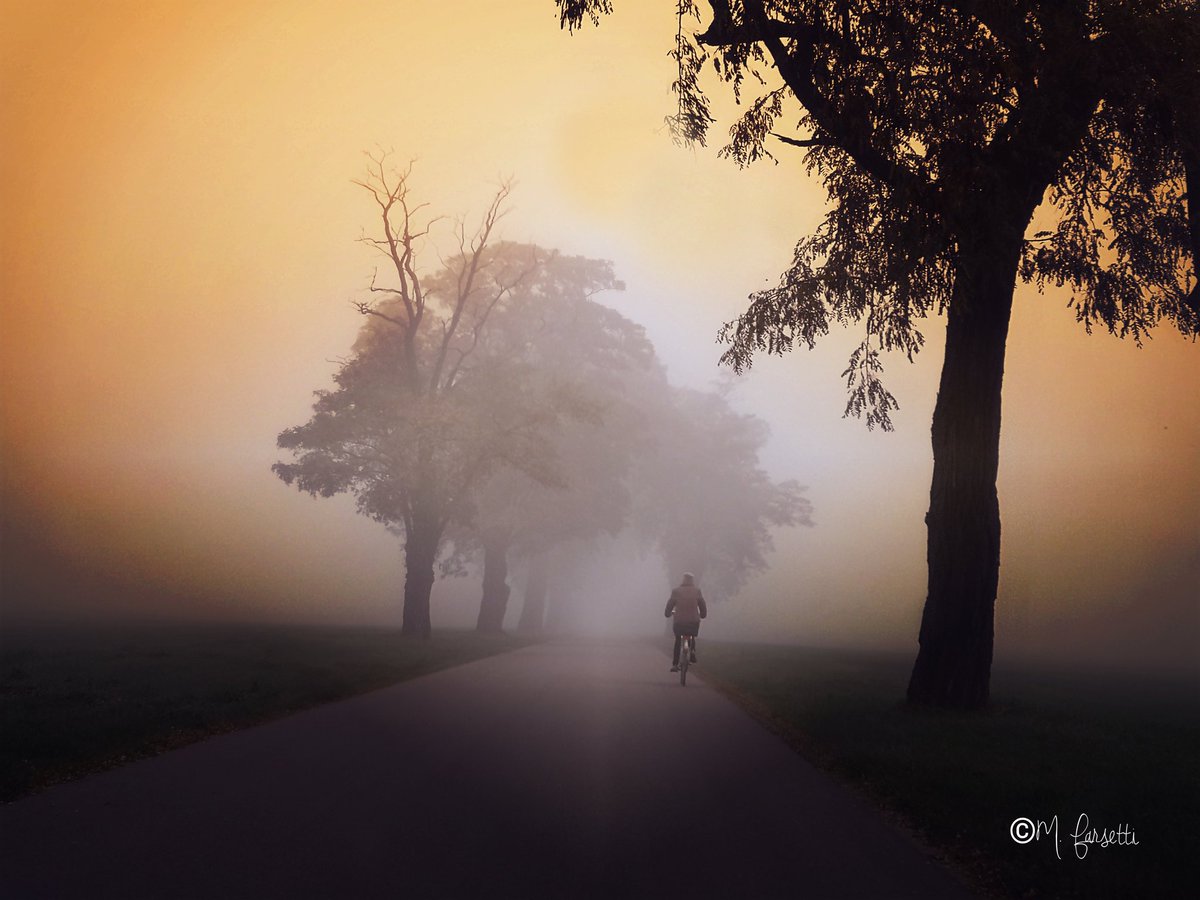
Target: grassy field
1119	749
79	701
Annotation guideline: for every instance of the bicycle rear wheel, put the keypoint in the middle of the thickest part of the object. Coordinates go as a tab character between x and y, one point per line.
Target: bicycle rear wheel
685	655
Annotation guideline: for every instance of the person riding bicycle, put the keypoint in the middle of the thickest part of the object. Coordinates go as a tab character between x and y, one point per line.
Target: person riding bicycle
688	607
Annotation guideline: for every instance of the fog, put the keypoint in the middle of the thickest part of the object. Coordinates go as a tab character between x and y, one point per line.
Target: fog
179	259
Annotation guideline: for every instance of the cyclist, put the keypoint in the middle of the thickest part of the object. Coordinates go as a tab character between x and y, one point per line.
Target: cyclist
688	607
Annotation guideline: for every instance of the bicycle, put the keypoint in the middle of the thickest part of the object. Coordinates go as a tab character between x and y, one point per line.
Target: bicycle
685	656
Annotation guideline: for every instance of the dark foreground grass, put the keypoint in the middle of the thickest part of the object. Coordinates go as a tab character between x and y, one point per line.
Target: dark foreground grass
78	701
1118	749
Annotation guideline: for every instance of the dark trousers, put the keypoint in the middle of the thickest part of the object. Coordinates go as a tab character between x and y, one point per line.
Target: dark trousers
682	628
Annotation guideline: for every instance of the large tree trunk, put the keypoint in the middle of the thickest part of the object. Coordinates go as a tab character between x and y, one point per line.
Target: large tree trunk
533	611
953	666
494	604
420	553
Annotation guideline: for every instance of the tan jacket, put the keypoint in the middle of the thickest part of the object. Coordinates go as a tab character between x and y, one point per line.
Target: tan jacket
687	603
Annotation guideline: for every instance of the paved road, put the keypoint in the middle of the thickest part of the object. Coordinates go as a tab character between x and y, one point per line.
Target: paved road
561	770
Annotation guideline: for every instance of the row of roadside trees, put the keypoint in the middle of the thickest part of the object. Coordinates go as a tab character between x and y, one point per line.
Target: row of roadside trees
491	411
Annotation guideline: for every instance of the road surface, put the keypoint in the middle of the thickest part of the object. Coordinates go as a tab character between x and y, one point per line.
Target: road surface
570	770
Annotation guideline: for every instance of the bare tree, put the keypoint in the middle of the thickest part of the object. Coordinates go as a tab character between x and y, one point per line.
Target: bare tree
420	415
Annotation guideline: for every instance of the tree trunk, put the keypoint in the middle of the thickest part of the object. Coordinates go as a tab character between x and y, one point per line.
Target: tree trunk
420	553
494	604
533	611
953	666
1191	168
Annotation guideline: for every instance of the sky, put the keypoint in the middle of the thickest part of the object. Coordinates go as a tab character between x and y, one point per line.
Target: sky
178	259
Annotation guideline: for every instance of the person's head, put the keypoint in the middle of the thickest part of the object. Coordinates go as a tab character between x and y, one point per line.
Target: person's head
689	580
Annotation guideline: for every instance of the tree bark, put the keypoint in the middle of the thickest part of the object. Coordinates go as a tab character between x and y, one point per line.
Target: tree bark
953	666
533	611
420	554
494	604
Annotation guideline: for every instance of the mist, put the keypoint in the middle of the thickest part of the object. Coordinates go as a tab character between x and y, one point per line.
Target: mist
156	344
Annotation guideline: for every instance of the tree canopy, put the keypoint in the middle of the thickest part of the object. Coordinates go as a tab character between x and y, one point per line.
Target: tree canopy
923	118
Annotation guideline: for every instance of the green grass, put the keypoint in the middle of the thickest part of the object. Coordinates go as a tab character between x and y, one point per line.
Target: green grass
78	701
1122	749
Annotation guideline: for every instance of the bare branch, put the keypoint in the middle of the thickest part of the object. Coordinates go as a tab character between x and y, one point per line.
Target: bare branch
796	142
466	275
477	330
367	310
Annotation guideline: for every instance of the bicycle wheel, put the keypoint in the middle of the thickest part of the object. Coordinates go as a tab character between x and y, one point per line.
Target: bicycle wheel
685	655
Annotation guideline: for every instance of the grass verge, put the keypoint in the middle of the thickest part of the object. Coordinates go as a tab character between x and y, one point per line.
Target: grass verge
1120	750
73	702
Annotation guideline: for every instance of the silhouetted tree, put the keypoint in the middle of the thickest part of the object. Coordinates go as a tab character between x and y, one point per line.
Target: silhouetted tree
938	128
421	414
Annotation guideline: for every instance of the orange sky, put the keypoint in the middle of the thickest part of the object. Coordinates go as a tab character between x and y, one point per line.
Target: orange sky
178	253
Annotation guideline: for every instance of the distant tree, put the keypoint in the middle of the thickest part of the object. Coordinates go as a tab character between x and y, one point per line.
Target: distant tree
420	414
939	128
595	500
518	516
705	500
533	604
564	339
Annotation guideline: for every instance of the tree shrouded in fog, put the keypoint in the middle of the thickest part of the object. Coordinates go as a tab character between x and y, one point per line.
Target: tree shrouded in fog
701	503
964	144
562	337
703	498
421	413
